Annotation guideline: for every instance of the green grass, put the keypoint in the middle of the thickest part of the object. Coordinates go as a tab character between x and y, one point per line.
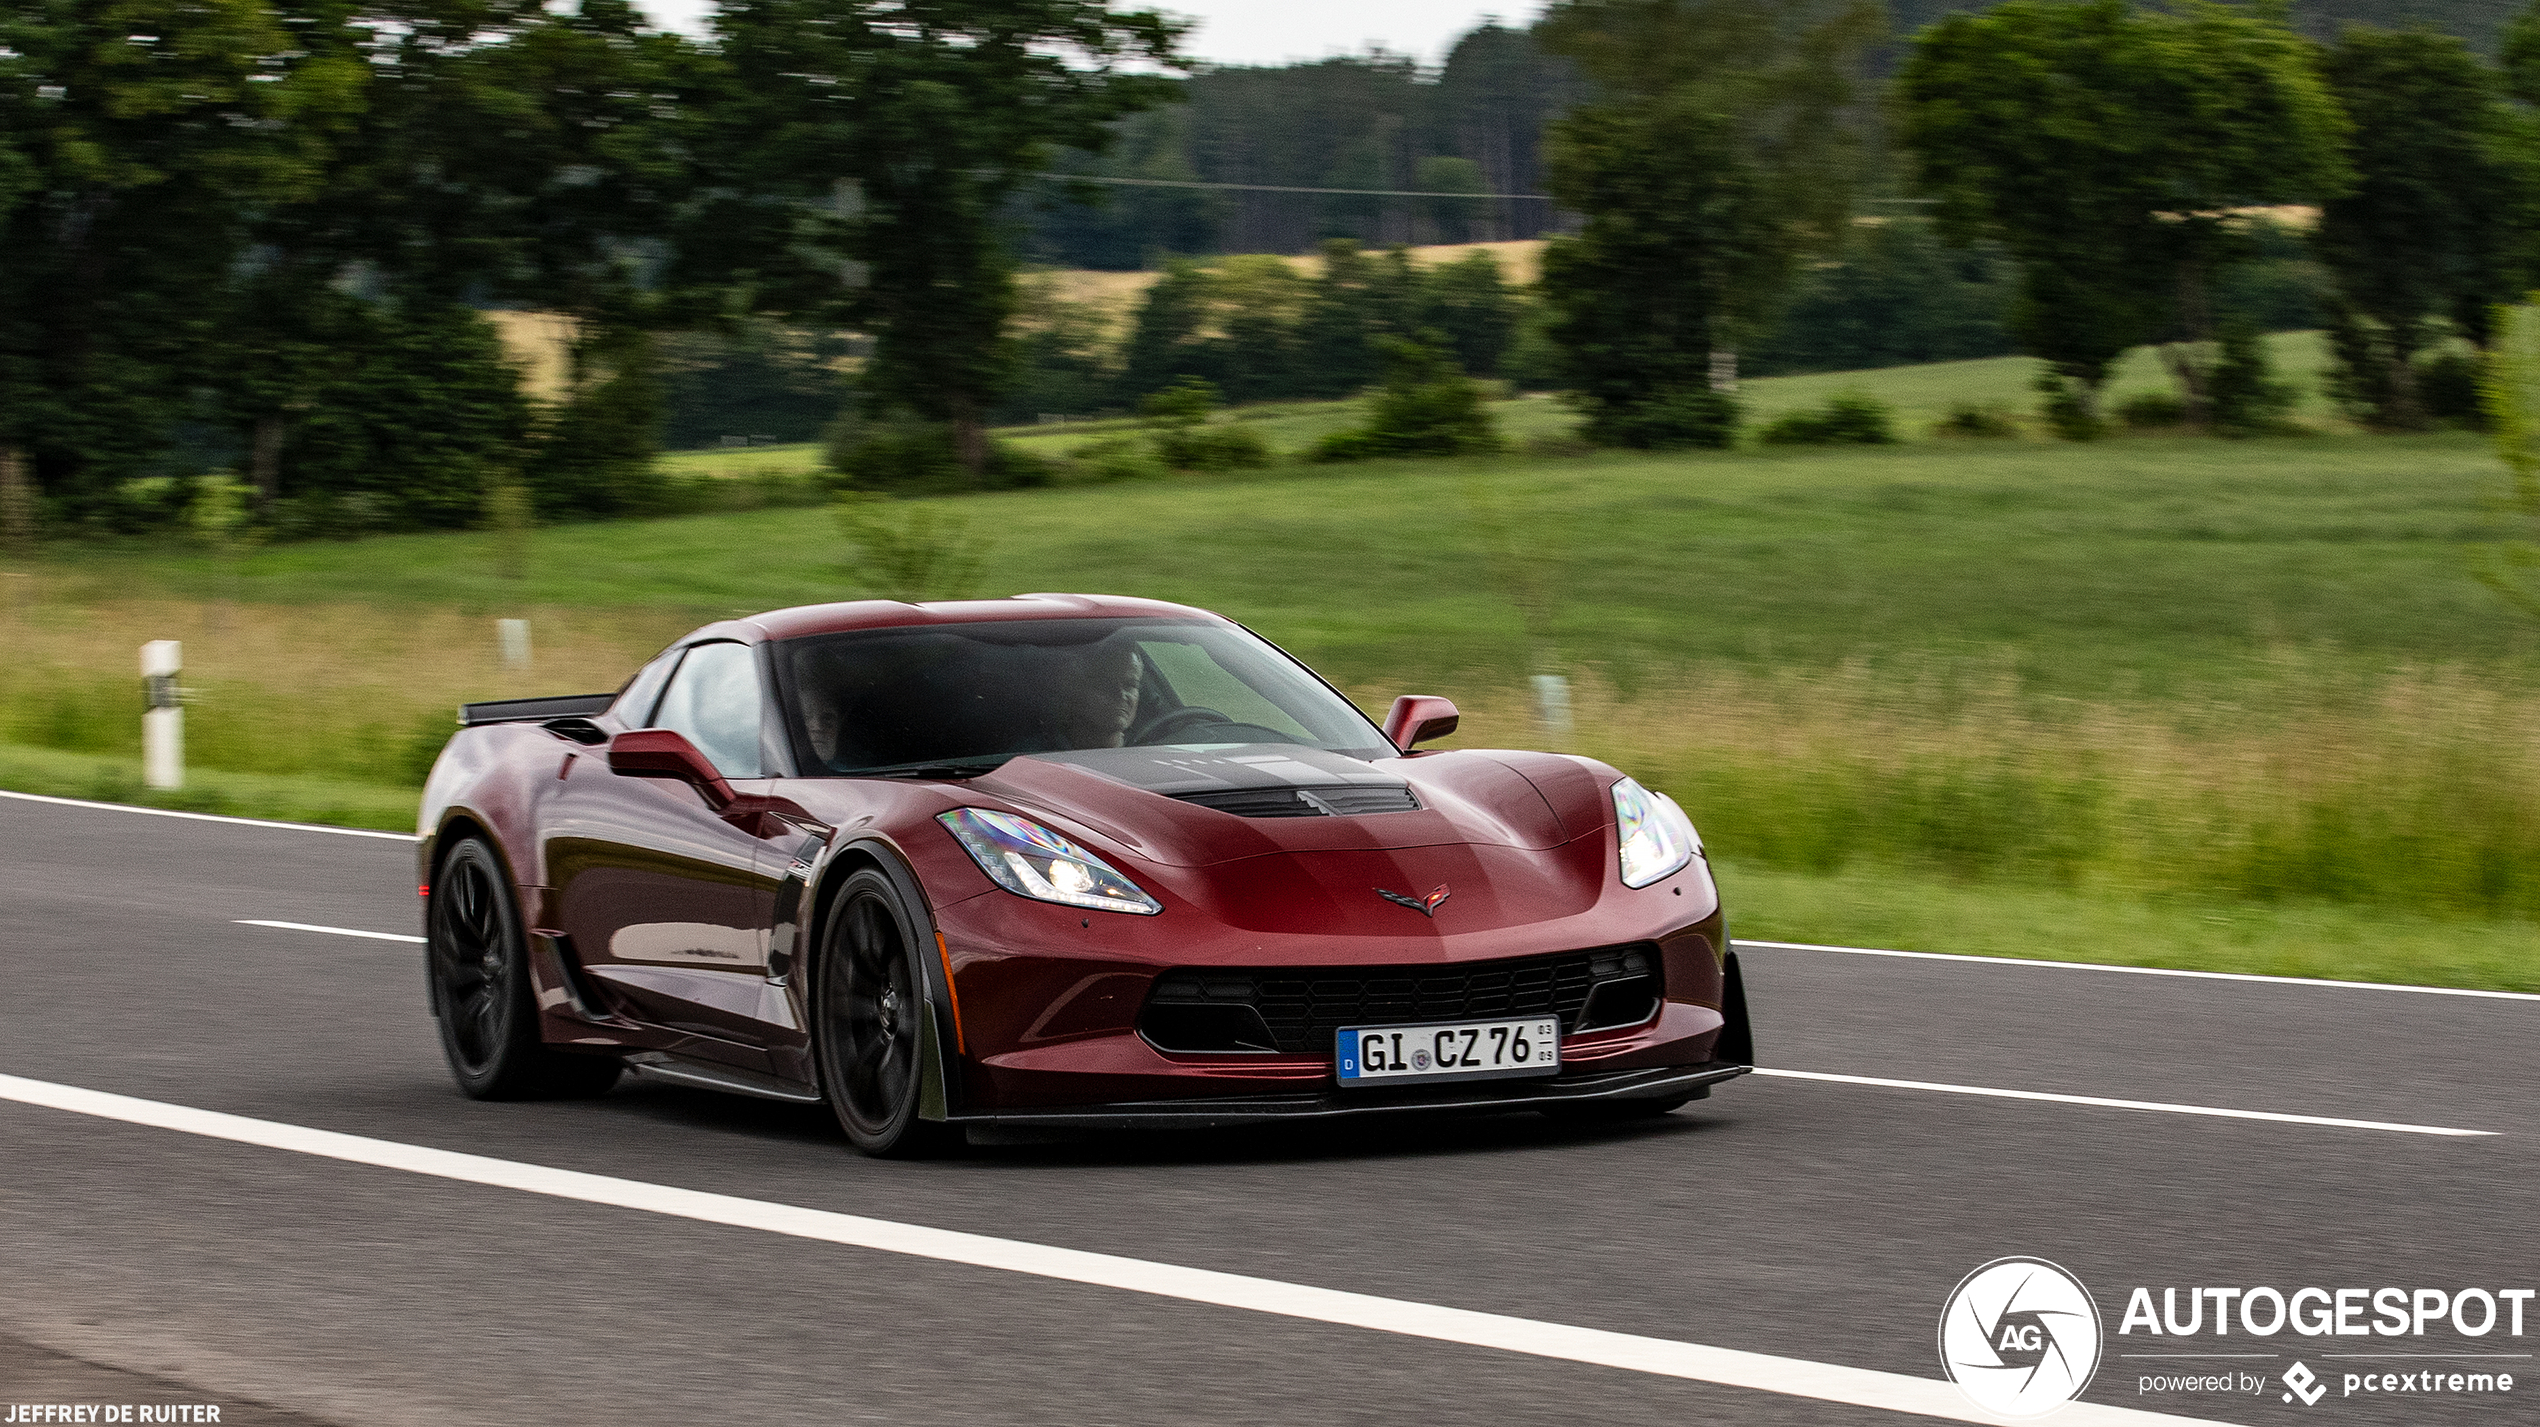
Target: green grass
1882	908
249	795
2132	568
744	460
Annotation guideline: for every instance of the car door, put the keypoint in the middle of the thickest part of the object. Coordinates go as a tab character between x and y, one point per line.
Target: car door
665	901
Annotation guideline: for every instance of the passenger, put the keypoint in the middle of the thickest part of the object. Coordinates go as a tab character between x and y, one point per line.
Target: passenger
824	720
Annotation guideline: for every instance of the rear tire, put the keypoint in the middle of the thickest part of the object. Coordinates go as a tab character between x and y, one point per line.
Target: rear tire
869	990
477	965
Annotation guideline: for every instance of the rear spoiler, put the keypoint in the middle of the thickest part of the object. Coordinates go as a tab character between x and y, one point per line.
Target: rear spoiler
534	710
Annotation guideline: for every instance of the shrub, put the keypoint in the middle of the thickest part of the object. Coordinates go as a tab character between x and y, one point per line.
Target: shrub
2151	410
1186	441
2448	383
1679	417
1969	421
1427	407
909	552
1213	448
905	455
2067	408
2247	399
1103	463
1849	418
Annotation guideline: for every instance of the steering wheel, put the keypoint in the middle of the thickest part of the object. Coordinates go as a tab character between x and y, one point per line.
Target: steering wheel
1189	716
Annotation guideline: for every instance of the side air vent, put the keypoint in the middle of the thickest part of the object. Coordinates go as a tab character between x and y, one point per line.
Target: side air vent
1346	800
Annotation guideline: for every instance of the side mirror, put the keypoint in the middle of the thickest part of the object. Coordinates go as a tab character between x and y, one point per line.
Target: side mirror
1417	718
662	753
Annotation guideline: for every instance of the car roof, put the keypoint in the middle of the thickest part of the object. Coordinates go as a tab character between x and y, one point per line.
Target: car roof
892	614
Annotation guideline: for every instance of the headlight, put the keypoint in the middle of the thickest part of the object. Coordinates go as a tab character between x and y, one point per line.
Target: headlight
1658	839
1029	860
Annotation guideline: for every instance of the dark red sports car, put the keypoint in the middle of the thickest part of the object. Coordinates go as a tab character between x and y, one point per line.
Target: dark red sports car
1056	860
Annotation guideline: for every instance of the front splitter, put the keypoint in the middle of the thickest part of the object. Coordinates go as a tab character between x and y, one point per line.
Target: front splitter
1676	1082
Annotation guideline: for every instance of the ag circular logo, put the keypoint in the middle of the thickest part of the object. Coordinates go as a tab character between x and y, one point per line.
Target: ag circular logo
2020	1337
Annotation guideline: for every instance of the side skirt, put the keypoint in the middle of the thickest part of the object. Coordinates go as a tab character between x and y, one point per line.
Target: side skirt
703	1075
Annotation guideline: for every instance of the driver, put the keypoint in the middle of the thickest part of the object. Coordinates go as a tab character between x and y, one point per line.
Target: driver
1097	698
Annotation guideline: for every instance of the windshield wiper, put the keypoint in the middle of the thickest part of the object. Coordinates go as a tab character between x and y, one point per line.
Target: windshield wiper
955	768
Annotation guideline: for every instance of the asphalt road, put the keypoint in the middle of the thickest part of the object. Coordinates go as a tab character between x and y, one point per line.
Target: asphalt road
1812	1219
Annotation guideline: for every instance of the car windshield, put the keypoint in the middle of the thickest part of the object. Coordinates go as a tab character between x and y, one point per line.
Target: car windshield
963	698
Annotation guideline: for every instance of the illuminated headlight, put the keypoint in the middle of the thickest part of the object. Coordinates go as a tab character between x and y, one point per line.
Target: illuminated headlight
1658	839
1029	860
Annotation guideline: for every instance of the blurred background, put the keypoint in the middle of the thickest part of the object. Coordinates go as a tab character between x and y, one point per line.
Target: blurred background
2053	479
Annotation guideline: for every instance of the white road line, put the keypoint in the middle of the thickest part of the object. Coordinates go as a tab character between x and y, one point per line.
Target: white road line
2150	970
210	817
330	931
2107	1104
1662	1357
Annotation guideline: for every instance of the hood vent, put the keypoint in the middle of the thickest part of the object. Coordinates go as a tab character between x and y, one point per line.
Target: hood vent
1341	801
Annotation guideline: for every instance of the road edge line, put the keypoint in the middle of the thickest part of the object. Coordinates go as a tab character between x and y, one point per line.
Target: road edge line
2107	1103
2039	961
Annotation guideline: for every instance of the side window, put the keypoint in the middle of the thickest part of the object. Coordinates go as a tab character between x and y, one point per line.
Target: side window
634	706
714	699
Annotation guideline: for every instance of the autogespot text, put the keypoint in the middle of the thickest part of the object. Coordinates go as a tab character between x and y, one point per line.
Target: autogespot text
2329	1312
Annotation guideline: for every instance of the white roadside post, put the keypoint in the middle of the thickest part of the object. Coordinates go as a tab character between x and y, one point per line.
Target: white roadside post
163	721
1552	702
513	636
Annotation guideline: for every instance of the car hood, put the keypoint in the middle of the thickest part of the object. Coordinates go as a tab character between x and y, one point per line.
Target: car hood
1141	799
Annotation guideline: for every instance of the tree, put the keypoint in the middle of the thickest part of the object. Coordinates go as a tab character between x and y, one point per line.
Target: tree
914	125
136	131
1713	159
1894	296
456	152
1470	304
2423	235
2108	150
1165	343
1356	303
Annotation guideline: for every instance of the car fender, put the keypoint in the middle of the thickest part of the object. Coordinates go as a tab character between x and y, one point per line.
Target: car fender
939	1082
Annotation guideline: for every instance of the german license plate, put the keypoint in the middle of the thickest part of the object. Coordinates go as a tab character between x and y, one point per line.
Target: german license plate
1464	1050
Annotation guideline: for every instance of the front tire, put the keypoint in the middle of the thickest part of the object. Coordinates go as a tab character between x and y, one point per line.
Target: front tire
870	990
478	968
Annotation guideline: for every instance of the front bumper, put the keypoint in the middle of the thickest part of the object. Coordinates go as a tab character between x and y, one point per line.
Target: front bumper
1734	1049
1485	1098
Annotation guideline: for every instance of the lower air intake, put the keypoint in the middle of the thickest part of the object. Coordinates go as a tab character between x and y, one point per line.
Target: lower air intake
1298	1010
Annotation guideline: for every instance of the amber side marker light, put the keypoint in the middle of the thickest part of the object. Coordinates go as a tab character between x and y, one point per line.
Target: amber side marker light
961	1045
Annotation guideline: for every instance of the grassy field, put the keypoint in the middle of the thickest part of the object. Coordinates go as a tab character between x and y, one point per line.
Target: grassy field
2159	698
2127	569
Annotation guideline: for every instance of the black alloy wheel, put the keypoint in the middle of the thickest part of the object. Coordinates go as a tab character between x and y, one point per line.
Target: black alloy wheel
478	969
872	999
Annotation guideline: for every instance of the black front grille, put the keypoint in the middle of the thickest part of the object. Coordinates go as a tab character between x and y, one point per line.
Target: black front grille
1301	1008
1346	800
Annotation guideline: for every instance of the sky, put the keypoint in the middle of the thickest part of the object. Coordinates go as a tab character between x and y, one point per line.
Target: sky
1276	31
